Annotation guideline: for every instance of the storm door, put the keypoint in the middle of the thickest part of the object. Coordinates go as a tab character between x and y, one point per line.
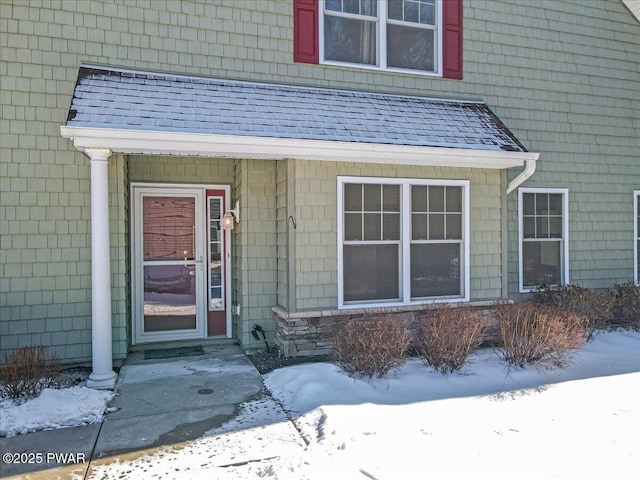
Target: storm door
178	263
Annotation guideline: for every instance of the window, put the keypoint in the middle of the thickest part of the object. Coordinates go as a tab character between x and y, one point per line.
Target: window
402	241
405	35
398	34
544	258
636	234
436	240
371	231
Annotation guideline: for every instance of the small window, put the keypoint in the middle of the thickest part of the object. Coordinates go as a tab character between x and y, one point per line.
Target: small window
395	34
402	241
543	238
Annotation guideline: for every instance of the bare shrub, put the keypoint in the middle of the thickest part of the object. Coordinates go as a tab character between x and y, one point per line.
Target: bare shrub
539	334
27	371
595	306
448	336
372	346
627	305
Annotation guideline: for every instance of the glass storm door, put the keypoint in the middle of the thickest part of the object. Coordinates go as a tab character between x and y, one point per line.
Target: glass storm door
180	263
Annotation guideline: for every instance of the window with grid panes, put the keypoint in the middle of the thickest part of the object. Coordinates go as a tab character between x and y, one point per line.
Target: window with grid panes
401	242
436	240
396	34
371	247
542	238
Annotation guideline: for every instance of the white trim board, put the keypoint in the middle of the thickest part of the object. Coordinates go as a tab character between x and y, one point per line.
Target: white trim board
144	142
636	236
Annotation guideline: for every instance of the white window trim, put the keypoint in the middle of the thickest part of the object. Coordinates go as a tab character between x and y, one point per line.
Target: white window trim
405	240
636	234
565	234
381	43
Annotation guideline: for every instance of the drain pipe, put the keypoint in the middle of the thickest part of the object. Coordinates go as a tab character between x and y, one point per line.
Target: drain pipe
529	169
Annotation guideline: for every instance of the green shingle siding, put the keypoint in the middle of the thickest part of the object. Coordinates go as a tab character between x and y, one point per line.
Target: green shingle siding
562	75
159	169
255	251
316	215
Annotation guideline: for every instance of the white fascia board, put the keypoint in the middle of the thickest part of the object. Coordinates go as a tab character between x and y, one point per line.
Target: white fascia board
143	142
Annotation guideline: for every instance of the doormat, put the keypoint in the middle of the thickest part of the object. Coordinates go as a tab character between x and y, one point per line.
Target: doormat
173	352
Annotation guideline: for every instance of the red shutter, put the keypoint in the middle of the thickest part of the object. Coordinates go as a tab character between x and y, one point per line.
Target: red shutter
305	31
452	39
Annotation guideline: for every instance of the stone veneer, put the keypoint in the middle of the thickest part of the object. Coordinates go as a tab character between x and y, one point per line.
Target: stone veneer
305	334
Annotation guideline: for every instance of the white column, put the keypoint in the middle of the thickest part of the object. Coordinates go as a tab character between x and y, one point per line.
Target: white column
102	374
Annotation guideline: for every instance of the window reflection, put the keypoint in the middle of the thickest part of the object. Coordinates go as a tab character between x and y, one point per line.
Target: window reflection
169	297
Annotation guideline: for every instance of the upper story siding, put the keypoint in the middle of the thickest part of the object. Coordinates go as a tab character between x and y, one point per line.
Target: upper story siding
538	63
516	49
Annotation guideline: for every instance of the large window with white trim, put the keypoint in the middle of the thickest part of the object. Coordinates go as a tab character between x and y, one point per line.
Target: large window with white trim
543	222
393	34
402	240
636	234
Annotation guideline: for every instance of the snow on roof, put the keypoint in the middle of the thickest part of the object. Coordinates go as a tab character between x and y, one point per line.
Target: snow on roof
130	100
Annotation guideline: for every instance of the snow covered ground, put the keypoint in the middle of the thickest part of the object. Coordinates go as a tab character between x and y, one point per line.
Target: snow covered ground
486	422
68	407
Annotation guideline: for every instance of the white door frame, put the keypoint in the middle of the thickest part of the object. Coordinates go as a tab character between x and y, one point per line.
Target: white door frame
138	191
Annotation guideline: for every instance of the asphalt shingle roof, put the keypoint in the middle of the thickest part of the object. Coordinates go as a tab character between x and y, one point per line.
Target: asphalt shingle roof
128	100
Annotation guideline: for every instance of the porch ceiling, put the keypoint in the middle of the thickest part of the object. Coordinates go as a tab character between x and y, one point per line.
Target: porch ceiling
134	112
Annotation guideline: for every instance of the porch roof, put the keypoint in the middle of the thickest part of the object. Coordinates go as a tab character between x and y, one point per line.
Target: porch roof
157	113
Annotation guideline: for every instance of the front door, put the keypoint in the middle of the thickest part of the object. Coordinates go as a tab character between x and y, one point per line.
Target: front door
179	263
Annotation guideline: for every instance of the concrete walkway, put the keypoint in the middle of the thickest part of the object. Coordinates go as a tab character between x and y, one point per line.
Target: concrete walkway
158	402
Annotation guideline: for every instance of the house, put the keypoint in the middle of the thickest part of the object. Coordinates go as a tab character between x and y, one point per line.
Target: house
177	172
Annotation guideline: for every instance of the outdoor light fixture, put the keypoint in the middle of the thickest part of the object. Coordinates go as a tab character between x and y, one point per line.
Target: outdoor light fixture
231	217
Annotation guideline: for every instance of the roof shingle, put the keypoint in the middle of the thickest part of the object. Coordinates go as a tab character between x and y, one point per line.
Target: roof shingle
128	100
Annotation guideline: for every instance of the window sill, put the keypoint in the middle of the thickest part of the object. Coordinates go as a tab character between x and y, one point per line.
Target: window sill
376	68
533	289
